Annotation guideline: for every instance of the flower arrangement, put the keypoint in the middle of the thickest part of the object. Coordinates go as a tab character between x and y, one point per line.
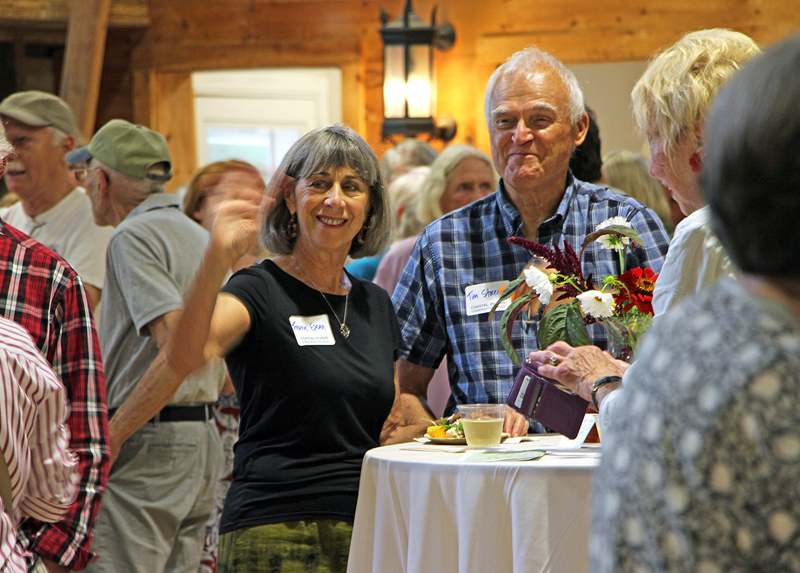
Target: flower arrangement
554	279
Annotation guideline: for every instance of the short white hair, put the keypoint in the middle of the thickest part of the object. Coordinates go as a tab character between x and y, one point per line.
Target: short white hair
527	60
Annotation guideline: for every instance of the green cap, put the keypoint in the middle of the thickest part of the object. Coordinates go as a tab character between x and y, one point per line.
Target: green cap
127	148
40	109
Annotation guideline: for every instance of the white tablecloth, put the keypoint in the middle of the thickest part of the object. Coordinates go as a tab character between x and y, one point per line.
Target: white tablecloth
430	512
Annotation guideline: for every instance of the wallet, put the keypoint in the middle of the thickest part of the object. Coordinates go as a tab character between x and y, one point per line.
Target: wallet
541	399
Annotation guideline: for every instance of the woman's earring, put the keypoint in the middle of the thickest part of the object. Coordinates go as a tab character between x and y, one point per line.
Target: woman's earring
291	227
360	237
695	162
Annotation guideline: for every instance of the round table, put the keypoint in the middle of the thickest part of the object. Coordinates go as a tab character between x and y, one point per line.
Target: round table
423	510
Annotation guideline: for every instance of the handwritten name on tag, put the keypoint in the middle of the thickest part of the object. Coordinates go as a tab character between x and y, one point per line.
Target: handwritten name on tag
312	330
481	298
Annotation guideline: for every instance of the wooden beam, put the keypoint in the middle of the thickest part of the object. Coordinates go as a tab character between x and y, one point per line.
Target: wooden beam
83	61
55	13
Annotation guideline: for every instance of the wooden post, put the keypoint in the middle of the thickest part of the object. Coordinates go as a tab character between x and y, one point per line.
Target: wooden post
83	60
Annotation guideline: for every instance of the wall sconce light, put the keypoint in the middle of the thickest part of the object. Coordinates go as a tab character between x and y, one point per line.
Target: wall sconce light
409	76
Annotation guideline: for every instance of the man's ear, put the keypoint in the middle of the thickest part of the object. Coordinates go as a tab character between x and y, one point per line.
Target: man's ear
68	144
103	184
3	163
580	129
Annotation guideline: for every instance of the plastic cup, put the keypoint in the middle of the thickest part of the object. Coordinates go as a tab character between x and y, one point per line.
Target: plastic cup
483	423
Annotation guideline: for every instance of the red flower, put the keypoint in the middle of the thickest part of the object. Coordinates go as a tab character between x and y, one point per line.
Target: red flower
637	290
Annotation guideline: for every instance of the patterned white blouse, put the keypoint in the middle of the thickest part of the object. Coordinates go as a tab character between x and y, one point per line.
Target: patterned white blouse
702	473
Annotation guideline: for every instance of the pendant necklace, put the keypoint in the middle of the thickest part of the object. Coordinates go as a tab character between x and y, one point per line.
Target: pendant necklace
342	323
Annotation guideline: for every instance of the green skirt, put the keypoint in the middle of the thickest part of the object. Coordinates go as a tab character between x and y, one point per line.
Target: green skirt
314	546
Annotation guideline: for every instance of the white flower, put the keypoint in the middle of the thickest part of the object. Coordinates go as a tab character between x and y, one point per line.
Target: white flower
615	242
597	304
540	282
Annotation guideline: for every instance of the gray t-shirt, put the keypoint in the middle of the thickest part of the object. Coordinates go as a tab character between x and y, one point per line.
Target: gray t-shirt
151	261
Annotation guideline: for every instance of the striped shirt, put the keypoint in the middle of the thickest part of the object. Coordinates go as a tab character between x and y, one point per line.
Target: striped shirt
469	248
33	439
40	291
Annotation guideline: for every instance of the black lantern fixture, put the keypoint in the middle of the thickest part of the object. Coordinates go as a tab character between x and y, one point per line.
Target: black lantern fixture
409	76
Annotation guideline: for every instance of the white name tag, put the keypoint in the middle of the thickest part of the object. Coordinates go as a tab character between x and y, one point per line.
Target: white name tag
481	298
312	330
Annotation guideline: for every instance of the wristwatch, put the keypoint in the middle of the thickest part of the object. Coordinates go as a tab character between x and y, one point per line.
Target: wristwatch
602	382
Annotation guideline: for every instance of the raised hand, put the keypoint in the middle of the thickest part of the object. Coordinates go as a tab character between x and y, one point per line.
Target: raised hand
238	221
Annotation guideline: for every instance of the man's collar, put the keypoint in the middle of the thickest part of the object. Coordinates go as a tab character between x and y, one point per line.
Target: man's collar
513	220
155	201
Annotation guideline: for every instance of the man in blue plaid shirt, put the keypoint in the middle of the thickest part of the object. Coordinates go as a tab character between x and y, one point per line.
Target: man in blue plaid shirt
535	114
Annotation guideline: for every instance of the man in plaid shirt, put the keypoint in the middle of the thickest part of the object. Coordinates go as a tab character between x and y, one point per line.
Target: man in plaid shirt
41	292
535	114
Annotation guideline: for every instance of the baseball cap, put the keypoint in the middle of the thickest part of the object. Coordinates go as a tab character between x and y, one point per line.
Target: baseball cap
127	148
40	109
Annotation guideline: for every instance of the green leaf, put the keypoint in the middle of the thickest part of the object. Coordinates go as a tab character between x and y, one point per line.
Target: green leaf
509	290
507	324
613	230
563	322
576	327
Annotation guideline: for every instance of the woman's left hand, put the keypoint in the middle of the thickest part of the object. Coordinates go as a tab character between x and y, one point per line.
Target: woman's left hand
576	368
237	222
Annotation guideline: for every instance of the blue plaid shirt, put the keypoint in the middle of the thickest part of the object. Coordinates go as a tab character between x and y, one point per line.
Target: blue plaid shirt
469	247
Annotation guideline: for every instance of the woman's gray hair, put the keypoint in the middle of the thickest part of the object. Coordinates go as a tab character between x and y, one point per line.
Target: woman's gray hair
673	95
526	61
429	206
329	147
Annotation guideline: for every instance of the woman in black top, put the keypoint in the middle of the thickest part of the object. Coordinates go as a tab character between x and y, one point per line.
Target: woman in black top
310	350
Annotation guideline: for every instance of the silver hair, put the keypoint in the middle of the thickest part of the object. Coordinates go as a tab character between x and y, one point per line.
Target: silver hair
58	137
133	188
526	61
429	201
404	156
328	147
5	146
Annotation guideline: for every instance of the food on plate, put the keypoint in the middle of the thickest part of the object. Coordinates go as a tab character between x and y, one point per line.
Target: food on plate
446	428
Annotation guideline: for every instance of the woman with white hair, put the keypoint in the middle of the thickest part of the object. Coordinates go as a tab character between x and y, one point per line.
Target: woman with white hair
701	474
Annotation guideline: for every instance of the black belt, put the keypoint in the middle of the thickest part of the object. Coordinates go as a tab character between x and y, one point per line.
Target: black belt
179	414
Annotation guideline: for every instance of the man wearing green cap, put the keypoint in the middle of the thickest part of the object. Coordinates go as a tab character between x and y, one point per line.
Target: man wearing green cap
51	208
161	489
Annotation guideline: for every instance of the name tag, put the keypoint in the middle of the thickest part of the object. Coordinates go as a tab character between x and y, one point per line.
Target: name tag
312	330
481	298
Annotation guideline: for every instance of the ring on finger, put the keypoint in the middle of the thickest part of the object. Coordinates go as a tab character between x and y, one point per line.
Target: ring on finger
553	360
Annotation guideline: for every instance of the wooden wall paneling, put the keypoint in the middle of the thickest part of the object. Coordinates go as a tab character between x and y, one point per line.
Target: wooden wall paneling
352	96
83	60
164	102
201	35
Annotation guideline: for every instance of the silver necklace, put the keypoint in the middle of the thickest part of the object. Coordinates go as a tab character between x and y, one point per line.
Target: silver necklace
342	326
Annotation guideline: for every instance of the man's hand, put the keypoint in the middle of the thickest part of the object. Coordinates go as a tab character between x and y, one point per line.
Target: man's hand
515	423
576	368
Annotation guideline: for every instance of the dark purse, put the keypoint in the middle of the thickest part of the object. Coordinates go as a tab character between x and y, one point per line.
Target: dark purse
543	400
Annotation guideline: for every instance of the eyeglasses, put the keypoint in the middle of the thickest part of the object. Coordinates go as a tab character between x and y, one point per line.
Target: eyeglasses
82	173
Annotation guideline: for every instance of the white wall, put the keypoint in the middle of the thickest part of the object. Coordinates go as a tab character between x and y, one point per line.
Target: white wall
607	90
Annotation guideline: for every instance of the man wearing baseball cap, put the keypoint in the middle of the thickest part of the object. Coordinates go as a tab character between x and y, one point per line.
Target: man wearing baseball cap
51	208
161	490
